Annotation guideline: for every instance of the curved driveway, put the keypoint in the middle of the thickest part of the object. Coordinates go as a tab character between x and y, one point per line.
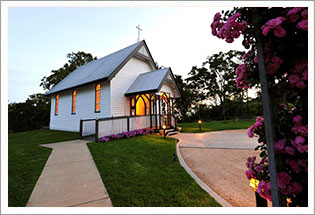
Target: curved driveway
218	159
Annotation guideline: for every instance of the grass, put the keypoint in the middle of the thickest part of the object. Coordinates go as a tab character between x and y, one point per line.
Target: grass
193	127
141	172
27	160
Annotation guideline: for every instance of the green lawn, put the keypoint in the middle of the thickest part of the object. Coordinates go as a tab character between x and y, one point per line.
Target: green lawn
193	127
27	159
141	172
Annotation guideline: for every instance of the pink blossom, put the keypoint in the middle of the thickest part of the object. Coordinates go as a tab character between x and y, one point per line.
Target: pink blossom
300	85
265	30
250	132
299	140
258	124
303	163
290	150
297	119
294	11
259	168
304	14
303	25
283	177
279	31
303	130
249	174
275	22
279	146
217	16
293	78
297	187
264	190
259	119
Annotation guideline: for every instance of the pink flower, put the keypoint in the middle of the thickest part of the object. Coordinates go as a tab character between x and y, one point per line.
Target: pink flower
259	168
279	146
297	187
290	150
294	11
259	119
293	78
275	22
297	119
283	177
217	16
250	131
264	190
258	124
279	31
265	30
229	40
300	85
303	25
304	14
299	140
303	130
249	174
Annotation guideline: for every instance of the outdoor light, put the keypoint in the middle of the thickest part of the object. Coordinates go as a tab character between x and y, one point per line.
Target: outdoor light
164	127
199	122
253	183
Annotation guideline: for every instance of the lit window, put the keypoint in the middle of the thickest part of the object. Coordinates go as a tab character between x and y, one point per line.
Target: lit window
74	98
57	105
98	98
142	106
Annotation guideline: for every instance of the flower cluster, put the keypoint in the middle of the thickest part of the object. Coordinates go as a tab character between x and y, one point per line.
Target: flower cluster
299	75
257	128
295	14
255	169
241	75
286	186
230	30
128	134
274	24
264	190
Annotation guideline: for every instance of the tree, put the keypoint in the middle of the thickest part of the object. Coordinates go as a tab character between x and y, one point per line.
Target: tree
34	113
215	80
183	104
75	60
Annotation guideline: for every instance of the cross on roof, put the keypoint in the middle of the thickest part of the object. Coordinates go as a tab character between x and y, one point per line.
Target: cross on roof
139	29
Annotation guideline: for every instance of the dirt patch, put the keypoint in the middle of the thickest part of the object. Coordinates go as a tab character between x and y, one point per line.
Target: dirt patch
223	170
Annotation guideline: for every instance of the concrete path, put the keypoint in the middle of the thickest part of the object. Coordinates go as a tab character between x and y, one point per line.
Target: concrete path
218	159
69	178
231	139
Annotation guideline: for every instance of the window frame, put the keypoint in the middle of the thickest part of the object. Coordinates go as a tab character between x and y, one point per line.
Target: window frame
57	97
75	105
95	104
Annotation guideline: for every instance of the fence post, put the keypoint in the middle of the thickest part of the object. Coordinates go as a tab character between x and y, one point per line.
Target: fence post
81	127
277	197
128	124
96	130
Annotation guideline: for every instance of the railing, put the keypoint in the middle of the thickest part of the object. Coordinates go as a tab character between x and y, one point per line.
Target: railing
115	125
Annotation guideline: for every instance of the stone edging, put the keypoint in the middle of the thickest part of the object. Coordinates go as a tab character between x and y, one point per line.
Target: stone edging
213	194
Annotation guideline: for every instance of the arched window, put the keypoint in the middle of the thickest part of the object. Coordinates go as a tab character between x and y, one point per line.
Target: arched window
98	98
142	105
56	104
74	98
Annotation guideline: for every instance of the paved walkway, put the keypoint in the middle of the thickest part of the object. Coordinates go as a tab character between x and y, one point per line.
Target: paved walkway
218	159
69	178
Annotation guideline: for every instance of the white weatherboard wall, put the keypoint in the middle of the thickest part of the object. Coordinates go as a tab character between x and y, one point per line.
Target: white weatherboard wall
167	89
85	107
122	81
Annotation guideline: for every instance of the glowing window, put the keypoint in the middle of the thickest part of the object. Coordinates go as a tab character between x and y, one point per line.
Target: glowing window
57	105
142	106
98	98
74	98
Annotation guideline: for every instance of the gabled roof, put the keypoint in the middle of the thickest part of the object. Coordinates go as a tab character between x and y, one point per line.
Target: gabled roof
104	68
151	82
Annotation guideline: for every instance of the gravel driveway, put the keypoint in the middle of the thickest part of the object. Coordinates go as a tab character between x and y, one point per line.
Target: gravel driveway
218	159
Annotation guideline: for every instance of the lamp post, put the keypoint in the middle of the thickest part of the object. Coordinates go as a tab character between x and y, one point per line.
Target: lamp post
164	127
199	122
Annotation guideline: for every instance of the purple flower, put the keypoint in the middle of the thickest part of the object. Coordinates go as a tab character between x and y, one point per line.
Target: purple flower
303	25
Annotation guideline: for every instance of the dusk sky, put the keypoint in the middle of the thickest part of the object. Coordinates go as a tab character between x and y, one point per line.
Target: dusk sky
40	38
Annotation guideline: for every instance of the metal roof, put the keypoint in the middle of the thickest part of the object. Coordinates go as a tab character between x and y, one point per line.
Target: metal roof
150	81
100	69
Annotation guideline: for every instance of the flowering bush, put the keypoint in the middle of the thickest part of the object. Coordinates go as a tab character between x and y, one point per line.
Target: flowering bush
284	39
128	134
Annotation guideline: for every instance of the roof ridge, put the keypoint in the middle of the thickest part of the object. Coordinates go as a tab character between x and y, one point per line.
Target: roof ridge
155	70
